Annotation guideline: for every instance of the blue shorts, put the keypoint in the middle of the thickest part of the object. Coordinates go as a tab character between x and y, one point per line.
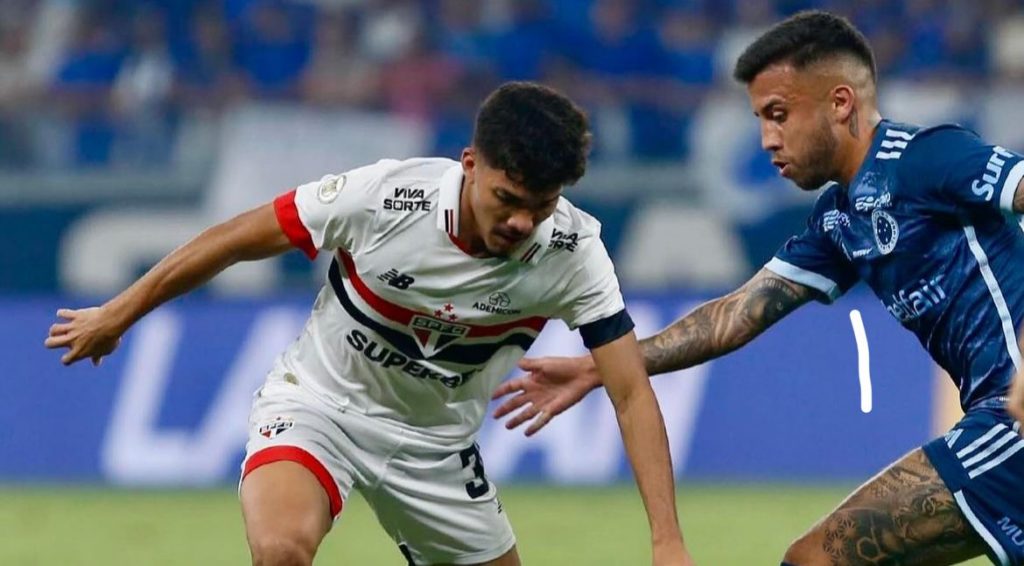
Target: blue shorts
981	460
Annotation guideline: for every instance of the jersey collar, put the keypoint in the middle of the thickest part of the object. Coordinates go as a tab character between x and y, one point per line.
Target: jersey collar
869	159
448	218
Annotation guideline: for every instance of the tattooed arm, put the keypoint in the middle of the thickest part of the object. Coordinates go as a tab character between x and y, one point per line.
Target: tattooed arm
724	324
715	328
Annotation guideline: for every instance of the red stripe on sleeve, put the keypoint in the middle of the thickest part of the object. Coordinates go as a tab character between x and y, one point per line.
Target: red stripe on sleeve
291	224
306	460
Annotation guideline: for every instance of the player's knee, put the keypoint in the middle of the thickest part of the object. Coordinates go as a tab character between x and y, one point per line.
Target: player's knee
281	550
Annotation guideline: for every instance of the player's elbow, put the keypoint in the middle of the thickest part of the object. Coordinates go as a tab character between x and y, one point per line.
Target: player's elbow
630	393
805	551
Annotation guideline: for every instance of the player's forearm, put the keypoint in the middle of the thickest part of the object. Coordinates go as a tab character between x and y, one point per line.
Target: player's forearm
720	326
643	434
702	335
245	237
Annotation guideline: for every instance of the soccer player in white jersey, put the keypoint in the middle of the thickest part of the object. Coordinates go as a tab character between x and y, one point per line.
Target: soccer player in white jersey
443	274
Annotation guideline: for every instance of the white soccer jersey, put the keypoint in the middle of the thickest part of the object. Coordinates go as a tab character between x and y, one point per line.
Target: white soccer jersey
410	327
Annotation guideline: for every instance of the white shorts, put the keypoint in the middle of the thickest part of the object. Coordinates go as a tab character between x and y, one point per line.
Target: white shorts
433	500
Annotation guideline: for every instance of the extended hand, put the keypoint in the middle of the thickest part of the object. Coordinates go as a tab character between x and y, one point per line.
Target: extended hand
551	386
87	333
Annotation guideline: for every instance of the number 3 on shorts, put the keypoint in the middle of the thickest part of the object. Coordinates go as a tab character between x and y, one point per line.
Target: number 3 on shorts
478	486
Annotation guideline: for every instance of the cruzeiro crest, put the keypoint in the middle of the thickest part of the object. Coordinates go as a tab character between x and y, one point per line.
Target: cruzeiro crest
886	231
433	335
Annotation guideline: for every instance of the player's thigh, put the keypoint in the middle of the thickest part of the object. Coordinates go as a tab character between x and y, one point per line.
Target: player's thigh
285	508
905	515
440	508
296	473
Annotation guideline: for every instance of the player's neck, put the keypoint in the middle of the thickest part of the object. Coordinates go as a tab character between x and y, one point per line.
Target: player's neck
469	235
858	148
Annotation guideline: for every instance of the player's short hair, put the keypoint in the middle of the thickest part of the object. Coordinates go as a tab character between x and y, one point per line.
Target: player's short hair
803	39
534	134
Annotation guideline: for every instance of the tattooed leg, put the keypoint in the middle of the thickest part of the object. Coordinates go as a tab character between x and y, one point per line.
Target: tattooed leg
903	516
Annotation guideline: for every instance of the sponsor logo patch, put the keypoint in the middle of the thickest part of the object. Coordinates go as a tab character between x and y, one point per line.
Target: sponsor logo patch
497	303
564	240
274	428
329	188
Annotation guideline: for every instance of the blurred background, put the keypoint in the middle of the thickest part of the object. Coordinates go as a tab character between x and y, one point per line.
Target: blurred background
128	126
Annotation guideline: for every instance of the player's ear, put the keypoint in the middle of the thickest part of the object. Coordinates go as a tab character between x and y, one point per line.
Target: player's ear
468	159
844	100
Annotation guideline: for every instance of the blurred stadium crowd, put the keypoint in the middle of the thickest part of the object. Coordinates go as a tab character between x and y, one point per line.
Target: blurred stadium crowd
124	83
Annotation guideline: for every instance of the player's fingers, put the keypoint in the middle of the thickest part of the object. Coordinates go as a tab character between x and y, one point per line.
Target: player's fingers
73	355
67	313
509	386
97	360
59	329
58	341
542	420
522	416
511	404
530	364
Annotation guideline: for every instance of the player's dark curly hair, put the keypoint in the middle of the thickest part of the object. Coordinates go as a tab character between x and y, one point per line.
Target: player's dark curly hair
803	39
536	135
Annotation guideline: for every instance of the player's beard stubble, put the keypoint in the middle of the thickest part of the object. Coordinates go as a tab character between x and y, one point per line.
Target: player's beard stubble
819	164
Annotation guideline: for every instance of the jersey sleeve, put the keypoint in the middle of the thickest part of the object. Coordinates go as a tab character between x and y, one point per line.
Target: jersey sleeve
593	302
813	260
330	213
960	172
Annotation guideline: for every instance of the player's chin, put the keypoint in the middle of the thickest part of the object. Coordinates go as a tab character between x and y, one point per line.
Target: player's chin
498	249
501	246
809	183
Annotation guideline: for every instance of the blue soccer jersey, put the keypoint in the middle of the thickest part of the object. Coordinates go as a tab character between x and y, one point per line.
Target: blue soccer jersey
927	223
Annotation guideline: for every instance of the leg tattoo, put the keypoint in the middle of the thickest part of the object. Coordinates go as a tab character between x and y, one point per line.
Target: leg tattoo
903	516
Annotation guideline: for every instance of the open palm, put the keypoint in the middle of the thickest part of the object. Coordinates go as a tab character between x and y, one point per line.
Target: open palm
550	386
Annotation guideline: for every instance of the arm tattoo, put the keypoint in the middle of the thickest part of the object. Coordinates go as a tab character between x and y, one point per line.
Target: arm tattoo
720	326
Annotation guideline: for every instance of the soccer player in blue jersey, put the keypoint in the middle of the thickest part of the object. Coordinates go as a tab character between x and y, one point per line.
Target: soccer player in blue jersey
923	217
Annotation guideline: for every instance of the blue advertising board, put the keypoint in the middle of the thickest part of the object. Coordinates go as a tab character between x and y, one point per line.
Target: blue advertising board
170	407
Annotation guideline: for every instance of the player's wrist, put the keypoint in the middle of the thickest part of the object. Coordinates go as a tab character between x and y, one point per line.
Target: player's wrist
590	373
669	543
117	316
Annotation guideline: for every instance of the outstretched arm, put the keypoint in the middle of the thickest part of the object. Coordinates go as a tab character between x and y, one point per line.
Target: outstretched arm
643	434
95	332
720	326
713	329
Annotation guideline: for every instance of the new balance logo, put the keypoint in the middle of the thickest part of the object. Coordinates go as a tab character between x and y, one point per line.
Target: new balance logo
893	145
396	279
991	449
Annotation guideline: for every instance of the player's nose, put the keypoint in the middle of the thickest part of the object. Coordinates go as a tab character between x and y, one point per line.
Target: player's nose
522	222
771	139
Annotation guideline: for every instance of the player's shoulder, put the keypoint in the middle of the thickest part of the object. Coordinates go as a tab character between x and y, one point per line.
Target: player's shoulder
924	154
572	229
916	145
416	170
